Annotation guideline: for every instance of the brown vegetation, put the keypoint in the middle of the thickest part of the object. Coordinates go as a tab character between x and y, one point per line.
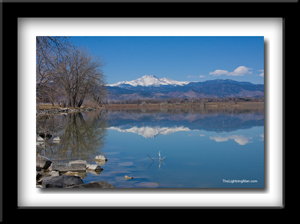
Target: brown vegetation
209	105
226	102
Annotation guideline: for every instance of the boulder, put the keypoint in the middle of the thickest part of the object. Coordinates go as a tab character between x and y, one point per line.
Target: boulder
100	162
94	167
39	139
53	173
74	166
65	167
127	177
80	174
94	184
61	181
43	134
78	162
38	175
56	139
43	162
100	158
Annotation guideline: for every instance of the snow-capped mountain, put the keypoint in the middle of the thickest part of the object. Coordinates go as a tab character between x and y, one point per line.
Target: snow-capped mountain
151	80
150	132
151	87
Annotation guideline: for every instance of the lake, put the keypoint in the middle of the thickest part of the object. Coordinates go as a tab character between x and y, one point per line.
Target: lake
162	148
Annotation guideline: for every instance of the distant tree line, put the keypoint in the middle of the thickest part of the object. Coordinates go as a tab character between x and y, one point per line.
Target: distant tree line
67	74
189	101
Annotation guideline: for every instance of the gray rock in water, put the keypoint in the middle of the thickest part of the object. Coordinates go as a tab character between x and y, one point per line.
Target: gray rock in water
65	167
78	162
101	158
43	162
61	181
95	167
94	184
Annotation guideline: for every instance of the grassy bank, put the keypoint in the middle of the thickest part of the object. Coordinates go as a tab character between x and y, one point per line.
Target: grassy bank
56	106
208	105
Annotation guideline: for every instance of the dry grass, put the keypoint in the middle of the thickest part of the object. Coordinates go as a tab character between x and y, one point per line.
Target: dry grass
56	106
224	105
90	104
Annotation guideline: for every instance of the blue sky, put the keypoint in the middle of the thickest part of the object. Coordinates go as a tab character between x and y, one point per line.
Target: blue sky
181	58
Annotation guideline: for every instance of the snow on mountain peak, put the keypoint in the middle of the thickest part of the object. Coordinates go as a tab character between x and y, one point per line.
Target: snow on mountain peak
150	132
150	80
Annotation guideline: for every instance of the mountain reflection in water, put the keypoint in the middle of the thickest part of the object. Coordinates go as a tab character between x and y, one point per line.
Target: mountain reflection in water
150	123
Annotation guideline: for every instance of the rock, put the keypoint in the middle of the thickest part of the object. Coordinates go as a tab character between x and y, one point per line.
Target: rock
38	175
53	174
47	174
70	173
100	162
39	144
61	181
38	168
94	184
105	184
79	174
101	158
50	168
62	167
94	167
46	134
56	139
43	162
39	139
127	177
65	167
78	162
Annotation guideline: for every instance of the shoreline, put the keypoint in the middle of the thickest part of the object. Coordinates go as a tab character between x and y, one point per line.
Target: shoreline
62	111
209	105
51	174
55	110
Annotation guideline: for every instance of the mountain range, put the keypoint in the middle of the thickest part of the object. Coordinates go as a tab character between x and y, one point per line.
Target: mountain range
151	87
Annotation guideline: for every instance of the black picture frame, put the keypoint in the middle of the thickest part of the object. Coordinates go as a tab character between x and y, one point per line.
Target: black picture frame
11	11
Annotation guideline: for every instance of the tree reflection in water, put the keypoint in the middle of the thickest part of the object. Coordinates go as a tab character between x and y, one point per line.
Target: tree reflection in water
81	137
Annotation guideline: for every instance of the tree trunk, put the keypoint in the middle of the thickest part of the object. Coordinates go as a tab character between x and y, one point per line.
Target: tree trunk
74	102
80	103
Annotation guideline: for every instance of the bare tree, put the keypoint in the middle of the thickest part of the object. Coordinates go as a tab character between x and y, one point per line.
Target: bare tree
80	75
48	48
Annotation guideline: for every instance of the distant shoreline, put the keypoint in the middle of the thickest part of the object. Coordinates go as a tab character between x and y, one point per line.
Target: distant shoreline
208	105
47	109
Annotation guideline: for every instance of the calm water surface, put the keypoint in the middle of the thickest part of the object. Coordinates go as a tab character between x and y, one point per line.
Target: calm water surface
198	148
